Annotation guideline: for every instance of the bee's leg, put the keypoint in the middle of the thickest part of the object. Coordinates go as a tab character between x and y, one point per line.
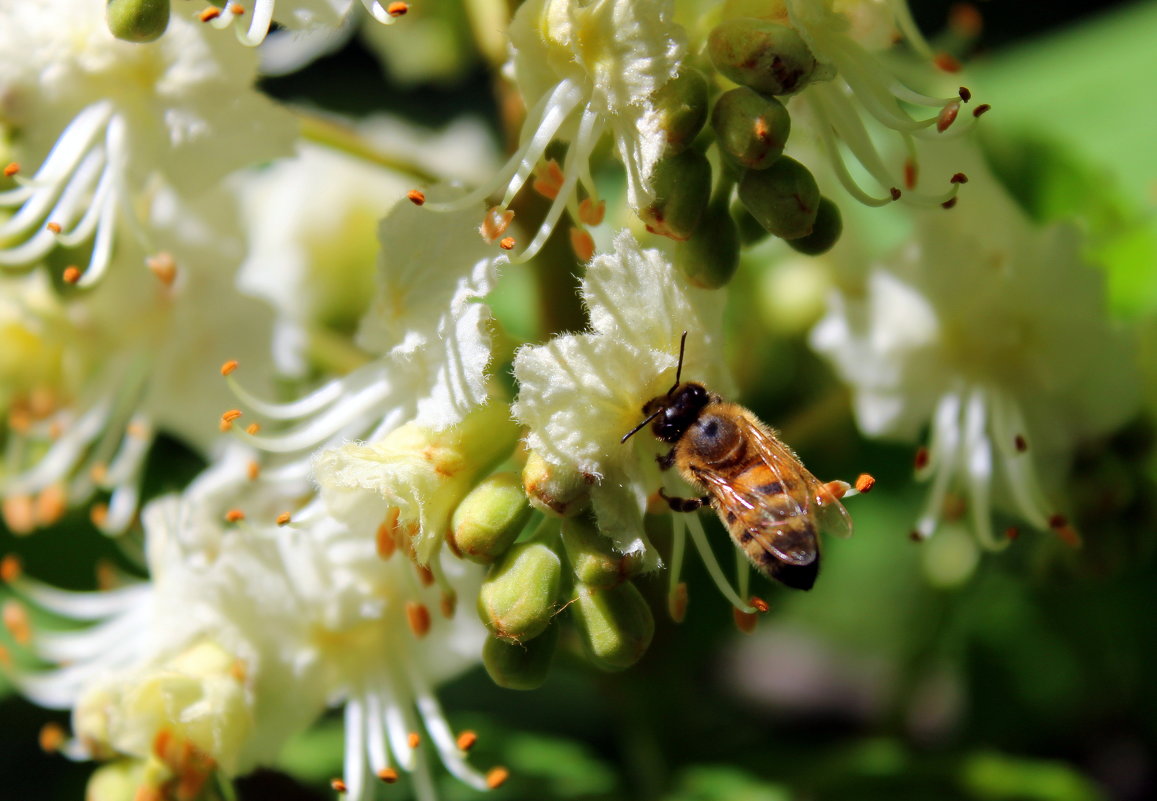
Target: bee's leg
666	460
684	504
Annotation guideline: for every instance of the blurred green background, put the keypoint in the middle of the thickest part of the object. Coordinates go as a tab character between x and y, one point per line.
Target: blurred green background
911	671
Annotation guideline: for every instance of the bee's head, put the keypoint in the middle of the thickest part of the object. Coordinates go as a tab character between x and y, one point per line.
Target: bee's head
676	411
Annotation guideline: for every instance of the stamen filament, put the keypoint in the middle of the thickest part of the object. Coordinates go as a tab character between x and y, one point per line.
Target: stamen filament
699	537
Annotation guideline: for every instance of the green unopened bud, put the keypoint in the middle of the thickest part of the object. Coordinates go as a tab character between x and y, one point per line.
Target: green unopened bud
116	781
750	128
520	665
750	231
552	489
681	105
769	57
784	197
518	597
682	186
825	233
593	557
616	624
489	519
137	20
711	256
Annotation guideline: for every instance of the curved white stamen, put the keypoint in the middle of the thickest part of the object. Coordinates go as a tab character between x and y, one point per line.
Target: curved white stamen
1026	491
862	73
902	15
678	548
354	768
943	461
83	230
439	730
589	131
376	734
831	147
322	427
65	453
116	141
699	537
308	404
80	605
61	161
978	466
397	731
378	12
547	117
75	194
261	16
742	573
92	642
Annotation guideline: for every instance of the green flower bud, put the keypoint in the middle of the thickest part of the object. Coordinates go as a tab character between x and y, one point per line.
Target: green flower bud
520	665
592	556
518	597
137	20
750	231
682	188
750	128
769	57
711	256
616	624
489	519
681	104
116	781
825	233
784	197
554	490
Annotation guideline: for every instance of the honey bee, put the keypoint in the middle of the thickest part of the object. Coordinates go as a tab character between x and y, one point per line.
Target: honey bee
772	506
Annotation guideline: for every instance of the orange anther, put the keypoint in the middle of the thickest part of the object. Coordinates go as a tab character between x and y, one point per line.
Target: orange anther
466	740
98	514
418	616
11	169
239	670
507	243
677	602
234	516
16	621
106	575
425	575
865	482
413	739
760	605
338	785
946	62
497	777
744	621
228	367
253	470
163	266
51	505
582	243
236	9
231	415
447	604
54	227
10	568
397	9
386	543
416	196
910	174
495	222
921	460
19	514
51	737
833	491
388	775
209	13
947	116
71	274
252	428
965	19
548	179
284	518
591	212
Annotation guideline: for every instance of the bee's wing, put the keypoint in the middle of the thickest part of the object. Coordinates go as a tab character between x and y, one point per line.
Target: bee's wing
783	521
829	514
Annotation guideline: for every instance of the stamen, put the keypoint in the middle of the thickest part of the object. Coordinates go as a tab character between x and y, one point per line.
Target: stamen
591	212
744	621
1060	525
51	737
98	515
11	169
54	227
958	178
397	9
11	568
228	367
414	739
950	203
283	519
416	196
386	544
910	174
946	117
466	740
965	93
164	267
15	618
677	602
19	513
496	777
253	470
507	243
51	504
252	428
549	179
921	460
983	108
583	244
447	604
418	616
699	537
946	62
425	575
234	516
495	222
388	775
209	13
759	604
338	785
1011	533
236	9
865	482
1020	443
71	274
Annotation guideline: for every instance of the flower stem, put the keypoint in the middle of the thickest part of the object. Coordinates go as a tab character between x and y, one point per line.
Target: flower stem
316	128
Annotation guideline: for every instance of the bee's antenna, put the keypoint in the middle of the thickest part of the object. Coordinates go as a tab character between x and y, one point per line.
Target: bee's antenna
639	427
679	369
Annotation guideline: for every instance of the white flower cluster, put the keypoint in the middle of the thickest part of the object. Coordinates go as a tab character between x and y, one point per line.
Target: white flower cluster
314	309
